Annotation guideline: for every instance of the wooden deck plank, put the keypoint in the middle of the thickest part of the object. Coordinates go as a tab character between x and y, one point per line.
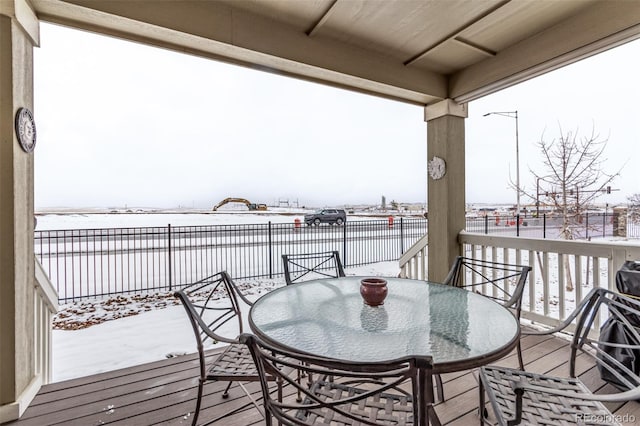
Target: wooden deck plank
104	381
629	413
164	392
160	379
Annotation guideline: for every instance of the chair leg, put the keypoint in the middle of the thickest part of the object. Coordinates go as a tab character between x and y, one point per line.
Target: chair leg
520	361
439	388
431	417
482	409
225	395
198	402
481	402
299	397
280	396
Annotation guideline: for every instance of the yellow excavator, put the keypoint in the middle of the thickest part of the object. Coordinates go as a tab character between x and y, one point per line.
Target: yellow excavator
250	205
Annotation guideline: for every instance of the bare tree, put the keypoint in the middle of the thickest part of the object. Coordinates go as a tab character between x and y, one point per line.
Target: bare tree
572	177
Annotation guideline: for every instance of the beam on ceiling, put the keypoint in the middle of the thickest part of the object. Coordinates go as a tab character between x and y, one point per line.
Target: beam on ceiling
601	27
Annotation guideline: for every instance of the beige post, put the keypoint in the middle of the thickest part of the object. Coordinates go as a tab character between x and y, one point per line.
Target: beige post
19	33
445	196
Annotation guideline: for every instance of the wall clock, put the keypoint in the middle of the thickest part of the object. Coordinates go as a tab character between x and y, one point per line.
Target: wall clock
437	168
26	129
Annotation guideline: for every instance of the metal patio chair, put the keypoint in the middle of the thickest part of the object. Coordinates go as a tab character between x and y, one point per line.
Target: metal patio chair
501	282
346	393
528	398
307	266
211	304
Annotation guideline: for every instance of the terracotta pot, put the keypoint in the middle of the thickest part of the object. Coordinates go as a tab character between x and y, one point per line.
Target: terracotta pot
373	291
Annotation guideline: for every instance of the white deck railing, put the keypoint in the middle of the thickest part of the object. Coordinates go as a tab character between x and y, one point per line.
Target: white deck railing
556	266
45	306
413	263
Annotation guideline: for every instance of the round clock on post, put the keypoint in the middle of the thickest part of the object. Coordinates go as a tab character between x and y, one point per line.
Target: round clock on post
25	129
437	168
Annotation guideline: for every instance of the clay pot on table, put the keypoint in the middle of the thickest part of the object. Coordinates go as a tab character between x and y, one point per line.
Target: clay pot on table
373	291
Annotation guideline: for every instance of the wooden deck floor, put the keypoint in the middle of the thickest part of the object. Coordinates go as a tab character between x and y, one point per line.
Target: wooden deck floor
164	392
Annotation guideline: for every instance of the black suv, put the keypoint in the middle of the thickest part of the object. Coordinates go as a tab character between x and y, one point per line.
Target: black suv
330	216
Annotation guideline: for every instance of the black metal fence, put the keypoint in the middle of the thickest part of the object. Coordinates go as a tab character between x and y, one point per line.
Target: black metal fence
86	263
586	226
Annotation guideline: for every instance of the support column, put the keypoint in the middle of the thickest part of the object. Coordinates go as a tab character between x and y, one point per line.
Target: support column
445	196
19	33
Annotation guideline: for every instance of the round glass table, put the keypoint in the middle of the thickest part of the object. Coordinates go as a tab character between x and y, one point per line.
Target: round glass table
328	318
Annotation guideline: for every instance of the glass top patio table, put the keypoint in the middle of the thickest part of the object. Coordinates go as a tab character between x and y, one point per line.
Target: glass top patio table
328	318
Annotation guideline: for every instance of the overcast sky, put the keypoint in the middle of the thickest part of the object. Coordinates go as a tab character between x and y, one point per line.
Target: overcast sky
123	124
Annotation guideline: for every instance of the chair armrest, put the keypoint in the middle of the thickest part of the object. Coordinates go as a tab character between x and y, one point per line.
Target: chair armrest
586	302
557	329
629	395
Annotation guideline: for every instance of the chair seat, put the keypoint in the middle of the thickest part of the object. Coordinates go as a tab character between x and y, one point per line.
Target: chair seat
539	408
379	408
234	363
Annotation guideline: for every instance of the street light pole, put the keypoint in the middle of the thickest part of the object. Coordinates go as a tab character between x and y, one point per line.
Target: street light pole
537	197
513	114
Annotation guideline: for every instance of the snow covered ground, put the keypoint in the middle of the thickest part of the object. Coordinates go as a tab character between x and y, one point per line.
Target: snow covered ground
91	338
91	220
94	219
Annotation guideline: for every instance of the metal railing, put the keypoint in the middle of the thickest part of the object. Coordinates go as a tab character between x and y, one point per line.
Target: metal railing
588	225
84	263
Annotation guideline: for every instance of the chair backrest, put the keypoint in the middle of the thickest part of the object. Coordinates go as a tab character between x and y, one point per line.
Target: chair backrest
308	266
212	305
501	282
339	385
616	347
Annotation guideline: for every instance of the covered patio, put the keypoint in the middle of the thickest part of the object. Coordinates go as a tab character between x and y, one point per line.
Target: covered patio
439	54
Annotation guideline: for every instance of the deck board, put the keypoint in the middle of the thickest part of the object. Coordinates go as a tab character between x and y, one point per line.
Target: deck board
163	392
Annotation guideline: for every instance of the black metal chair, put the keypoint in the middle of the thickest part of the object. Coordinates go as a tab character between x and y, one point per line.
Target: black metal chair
211	304
307	266
501	282
522	397
396	392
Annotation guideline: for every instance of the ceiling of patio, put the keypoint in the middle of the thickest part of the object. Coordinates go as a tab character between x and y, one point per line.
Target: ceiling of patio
417	51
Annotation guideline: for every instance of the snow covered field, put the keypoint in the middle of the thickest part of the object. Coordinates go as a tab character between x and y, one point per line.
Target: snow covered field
90	220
